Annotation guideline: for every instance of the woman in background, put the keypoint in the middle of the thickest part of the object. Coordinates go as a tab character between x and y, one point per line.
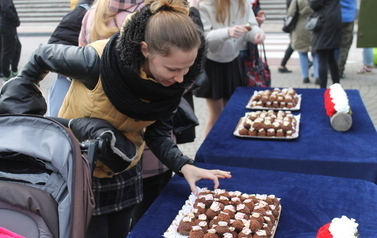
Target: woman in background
227	26
300	38
327	38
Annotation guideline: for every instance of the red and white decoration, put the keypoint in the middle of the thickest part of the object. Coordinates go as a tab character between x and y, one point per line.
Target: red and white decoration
336	100
343	227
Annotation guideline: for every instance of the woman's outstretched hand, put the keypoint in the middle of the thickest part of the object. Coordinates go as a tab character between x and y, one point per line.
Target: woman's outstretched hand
193	174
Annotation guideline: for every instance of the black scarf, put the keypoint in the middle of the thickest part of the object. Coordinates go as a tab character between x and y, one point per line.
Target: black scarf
133	96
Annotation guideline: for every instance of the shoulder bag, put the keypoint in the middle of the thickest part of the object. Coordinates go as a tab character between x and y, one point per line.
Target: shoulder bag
314	22
291	21
257	73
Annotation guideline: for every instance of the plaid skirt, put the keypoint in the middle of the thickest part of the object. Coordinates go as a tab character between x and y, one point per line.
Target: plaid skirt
119	192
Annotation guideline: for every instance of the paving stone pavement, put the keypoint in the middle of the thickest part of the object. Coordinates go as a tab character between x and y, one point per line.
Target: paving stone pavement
276	43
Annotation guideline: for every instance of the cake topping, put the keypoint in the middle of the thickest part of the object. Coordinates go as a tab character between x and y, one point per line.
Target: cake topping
223	223
202	217
261	233
240	206
246	231
256	215
227	235
230	208
187	219
239	216
215	206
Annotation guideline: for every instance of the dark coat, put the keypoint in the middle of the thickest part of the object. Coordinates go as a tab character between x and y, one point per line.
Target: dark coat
68	30
367	32
8	14
328	37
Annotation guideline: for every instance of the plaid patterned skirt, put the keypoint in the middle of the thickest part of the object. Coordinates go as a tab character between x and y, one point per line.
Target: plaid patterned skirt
119	192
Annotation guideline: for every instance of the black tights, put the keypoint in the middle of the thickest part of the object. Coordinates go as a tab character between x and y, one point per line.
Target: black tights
113	225
326	60
288	52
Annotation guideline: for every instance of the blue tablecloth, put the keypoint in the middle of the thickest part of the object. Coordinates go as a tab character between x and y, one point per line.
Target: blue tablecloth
308	201
319	149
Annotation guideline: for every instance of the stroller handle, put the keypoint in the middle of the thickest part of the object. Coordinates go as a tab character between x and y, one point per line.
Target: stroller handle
62	121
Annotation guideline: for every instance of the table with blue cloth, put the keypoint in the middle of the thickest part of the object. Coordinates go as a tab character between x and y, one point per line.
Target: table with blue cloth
319	149
308	201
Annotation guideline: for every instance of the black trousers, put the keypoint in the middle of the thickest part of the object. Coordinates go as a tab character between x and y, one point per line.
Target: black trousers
113	225
152	187
326	61
10	50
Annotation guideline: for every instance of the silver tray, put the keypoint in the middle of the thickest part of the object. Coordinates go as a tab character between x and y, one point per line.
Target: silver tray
295	108
294	135
172	232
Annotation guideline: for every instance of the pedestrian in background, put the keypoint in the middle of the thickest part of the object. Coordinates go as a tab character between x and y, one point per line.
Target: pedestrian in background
288	52
367	34
349	14
66	33
301	38
327	39
11	45
227	26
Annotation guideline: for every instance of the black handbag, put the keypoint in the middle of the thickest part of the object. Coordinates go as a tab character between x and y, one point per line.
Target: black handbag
185	117
314	22
290	22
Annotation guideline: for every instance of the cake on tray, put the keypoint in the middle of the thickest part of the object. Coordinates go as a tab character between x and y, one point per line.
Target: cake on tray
229	214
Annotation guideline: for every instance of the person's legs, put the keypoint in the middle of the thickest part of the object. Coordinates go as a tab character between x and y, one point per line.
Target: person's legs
215	107
367	61
368	56
287	55
1	53
9	47
16	57
152	187
346	42
98	227
333	65
322	68
119	223
57	94
315	65
304	66
113	225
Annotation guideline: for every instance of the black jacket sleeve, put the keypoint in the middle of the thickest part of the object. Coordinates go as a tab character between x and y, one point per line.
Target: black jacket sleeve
9	14
316	4
158	139
79	63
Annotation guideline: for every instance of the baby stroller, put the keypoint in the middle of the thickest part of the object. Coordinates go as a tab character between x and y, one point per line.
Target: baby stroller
45	172
45	179
46	169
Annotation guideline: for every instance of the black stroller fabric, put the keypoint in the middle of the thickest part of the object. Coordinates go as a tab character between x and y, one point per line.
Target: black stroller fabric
44	172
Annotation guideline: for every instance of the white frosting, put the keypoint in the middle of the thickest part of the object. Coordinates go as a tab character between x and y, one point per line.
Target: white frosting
196	228
246	231
239	216
222	223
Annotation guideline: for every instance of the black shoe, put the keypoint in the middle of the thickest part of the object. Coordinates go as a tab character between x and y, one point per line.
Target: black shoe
316	81
284	70
341	75
306	80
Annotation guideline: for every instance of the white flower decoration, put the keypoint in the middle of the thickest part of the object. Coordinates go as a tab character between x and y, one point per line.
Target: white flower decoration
343	227
339	98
